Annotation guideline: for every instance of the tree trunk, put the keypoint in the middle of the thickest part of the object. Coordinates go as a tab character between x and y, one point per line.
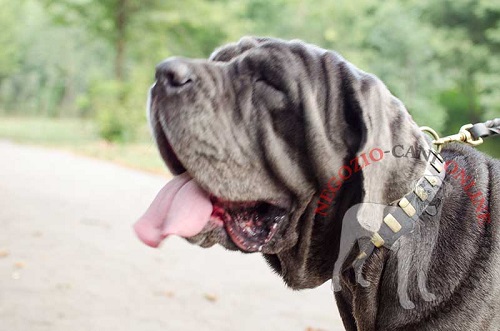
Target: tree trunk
120	43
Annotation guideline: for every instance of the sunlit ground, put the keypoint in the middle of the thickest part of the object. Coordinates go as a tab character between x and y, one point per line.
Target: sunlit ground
81	137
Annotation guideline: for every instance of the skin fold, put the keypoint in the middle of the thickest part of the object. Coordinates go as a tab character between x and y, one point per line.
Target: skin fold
272	120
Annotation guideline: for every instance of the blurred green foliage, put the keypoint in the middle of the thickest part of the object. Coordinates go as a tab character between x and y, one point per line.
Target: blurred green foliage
95	59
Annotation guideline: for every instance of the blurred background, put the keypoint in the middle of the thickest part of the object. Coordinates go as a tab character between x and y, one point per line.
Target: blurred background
74	75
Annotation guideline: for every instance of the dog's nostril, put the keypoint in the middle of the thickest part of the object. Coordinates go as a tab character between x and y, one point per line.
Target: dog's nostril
177	80
174	72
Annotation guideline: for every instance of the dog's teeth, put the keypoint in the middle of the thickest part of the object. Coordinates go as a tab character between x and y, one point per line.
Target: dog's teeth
260	248
249	230
274	226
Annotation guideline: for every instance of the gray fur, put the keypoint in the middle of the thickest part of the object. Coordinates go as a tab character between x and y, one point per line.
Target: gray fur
268	119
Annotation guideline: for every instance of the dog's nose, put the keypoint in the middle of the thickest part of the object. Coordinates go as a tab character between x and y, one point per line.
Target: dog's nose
174	72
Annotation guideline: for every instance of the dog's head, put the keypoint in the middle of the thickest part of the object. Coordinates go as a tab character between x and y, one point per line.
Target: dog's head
253	134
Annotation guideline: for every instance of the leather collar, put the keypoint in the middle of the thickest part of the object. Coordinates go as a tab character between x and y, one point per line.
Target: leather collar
400	219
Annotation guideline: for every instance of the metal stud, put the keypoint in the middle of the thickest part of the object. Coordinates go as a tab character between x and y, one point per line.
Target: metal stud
432	180
377	240
437	166
392	223
407	207
421	193
361	256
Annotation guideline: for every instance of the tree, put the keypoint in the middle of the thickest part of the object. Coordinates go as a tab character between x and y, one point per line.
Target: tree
386	39
10	51
471	56
191	26
109	20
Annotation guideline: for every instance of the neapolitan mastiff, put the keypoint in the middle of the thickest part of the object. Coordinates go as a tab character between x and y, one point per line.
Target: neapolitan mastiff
255	134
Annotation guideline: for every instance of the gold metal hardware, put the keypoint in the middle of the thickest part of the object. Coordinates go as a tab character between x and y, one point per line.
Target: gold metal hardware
437	166
432	180
361	256
421	193
377	240
407	207
434	135
392	223
463	136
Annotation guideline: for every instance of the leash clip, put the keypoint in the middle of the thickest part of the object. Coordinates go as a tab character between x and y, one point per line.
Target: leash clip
463	136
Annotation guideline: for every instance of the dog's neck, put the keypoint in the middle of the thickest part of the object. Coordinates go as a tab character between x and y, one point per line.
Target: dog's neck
398	221
415	161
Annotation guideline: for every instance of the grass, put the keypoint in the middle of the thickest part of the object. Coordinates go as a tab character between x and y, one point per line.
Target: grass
80	137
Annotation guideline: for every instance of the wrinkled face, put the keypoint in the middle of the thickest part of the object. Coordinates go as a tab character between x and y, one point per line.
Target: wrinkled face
247	134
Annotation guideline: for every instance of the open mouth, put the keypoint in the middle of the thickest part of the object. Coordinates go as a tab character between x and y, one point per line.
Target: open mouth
250	225
183	208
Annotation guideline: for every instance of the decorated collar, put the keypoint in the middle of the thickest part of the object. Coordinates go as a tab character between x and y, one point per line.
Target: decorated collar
399	219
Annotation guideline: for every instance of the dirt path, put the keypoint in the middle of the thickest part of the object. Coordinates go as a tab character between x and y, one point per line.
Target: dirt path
70	261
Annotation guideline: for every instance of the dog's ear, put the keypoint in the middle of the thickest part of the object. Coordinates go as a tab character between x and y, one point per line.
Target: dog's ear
387	124
361	121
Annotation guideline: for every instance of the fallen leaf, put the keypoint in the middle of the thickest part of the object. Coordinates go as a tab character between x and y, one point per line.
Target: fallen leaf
169	294
210	297
4	253
19	264
164	293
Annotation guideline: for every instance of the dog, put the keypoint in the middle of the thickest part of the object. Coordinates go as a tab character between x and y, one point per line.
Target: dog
255	133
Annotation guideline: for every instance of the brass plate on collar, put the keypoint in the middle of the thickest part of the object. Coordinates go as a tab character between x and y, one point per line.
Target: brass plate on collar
361	256
437	166
407	207
392	223
438	156
421	193
432	180
377	240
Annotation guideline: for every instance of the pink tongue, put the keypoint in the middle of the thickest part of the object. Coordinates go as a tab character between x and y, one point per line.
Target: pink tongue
181	208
